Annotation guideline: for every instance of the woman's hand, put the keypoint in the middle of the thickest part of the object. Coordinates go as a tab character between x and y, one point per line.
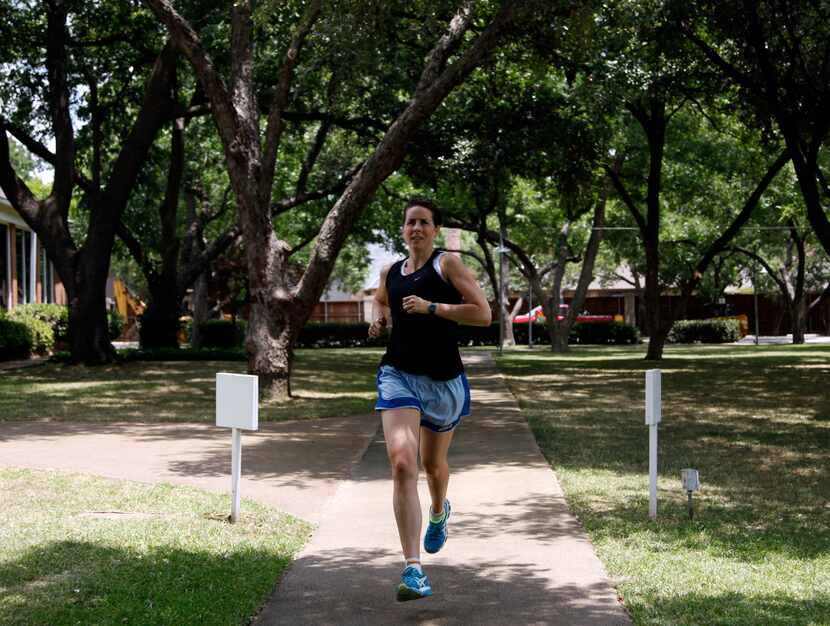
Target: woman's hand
377	327
414	304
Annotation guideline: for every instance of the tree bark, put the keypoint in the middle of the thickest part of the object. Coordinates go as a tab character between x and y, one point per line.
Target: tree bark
201	310
84	270
798	315
509	336
558	342
278	307
586	272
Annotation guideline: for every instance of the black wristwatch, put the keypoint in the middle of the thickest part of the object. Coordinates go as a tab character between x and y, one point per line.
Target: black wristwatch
433	308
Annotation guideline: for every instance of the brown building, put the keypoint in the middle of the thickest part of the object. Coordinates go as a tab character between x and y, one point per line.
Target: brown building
26	275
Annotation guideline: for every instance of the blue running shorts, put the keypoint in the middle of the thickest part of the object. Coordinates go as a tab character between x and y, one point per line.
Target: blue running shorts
442	403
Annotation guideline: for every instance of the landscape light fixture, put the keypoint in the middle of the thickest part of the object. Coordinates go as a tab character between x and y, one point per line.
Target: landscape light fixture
691	483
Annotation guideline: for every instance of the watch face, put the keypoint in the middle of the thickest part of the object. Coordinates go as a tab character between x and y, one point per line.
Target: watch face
432	307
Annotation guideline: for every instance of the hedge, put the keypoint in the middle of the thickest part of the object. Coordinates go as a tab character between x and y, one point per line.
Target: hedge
604	333
705	331
224	334
15	340
155	332
356	335
56	316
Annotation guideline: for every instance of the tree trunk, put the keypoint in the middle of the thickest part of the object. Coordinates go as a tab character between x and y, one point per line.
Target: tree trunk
90	342
279	309
656	333
201	310
798	317
160	320
509	338
271	354
560	338
586	273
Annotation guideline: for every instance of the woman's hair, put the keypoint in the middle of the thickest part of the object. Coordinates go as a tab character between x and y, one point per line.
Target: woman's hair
427	204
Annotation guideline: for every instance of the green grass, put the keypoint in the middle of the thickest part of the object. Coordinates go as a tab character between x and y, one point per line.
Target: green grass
755	421
325	383
76	549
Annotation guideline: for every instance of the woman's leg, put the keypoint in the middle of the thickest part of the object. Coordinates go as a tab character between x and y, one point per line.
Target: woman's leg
400	428
434	449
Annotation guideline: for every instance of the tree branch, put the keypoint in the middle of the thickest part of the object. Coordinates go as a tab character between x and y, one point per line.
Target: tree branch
135	248
711	54
187	41
280	207
200	263
358	124
437	58
626	198
742	217
311	158
824	294
275	124
59	104
759	259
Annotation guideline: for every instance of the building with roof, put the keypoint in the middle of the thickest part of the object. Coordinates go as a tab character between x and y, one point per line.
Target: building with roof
26	274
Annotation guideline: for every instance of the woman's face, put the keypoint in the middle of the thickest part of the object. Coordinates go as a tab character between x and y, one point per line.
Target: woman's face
419	231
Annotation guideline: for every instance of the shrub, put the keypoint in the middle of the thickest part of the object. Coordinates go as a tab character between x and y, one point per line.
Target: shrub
604	333
55	315
223	334
157	331
624	334
179	354
115	324
327	335
43	337
705	331
15	340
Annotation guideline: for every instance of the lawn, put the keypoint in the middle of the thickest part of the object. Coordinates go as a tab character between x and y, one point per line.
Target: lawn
82	550
755	421
325	383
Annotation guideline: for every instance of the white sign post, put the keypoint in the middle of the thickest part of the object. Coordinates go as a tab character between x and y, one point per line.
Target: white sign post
653	416
237	407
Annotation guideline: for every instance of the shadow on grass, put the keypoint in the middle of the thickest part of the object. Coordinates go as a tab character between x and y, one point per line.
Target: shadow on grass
487	593
290	452
749	422
734	608
181	391
70	582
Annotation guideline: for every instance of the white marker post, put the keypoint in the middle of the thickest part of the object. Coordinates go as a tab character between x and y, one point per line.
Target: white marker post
237	407
653	416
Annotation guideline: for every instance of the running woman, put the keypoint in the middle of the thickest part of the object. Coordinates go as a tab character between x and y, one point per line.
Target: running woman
422	390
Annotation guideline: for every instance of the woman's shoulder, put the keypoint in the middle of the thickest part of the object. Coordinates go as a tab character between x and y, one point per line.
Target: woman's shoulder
450	262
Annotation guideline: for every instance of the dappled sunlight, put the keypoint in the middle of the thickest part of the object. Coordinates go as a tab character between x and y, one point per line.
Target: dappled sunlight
754	421
183	391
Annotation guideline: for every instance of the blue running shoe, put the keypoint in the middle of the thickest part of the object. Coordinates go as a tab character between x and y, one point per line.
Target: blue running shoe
414	585
437	533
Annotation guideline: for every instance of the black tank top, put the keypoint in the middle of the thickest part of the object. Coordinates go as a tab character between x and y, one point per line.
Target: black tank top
422	343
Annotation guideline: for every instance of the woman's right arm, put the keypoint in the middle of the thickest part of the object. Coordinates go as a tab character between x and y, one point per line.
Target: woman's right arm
381	315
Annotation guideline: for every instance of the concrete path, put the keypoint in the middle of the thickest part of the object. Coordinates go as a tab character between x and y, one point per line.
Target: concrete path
293	466
515	555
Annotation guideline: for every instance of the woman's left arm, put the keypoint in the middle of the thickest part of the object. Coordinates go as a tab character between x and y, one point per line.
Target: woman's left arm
475	311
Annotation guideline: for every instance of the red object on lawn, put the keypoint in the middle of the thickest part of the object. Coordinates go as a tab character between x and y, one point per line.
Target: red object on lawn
537	315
